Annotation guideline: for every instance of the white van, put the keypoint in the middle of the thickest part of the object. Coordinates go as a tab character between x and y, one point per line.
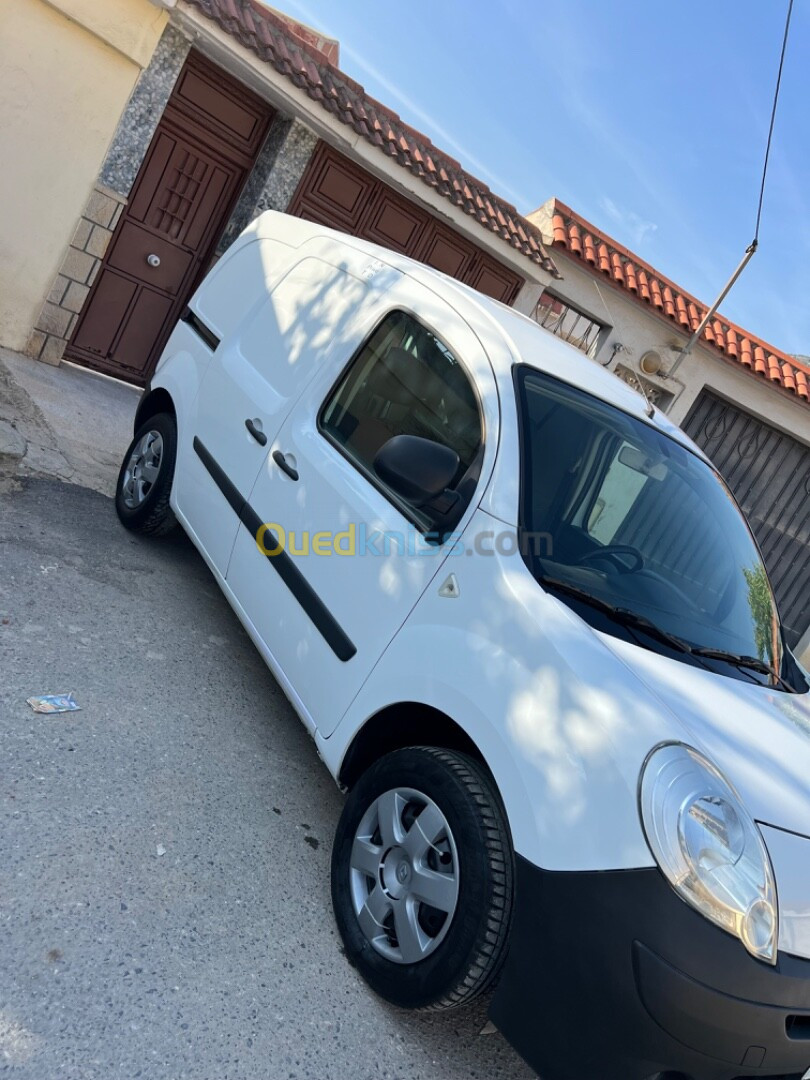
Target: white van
532	637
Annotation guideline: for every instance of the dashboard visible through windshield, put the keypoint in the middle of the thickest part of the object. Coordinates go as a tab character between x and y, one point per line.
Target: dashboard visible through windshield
639	534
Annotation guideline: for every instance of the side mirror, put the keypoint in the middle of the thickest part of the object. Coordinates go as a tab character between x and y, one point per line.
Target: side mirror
417	469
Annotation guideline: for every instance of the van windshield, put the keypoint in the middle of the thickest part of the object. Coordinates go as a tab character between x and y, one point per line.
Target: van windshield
637	533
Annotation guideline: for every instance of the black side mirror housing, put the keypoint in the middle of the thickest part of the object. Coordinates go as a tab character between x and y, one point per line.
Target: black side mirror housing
417	469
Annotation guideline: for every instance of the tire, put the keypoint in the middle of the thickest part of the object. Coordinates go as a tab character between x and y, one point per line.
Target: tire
446	959
145	478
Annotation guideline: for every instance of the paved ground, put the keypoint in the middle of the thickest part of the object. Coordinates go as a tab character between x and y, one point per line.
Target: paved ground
63	422
217	959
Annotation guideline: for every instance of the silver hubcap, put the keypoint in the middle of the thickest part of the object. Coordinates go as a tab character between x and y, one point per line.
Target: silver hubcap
142	468
404	875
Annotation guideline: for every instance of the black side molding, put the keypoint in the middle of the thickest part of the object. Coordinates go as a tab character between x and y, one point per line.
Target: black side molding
200	329
236	500
326	624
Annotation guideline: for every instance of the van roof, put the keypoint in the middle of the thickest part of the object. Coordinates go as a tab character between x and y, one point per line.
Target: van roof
526	341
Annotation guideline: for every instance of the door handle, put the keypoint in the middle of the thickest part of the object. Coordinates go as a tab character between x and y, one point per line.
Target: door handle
153	260
284	465
256	432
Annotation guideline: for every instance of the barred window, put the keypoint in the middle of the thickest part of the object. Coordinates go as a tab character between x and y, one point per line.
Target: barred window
567	323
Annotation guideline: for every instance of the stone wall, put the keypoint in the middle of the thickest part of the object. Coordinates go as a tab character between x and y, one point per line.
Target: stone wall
77	273
142	115
272	183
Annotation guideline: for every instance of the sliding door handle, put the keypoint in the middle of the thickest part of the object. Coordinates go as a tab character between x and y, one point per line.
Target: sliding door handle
284	465
256	432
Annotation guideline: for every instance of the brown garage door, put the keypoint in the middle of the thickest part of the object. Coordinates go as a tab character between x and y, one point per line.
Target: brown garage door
769	474
196	164
336	192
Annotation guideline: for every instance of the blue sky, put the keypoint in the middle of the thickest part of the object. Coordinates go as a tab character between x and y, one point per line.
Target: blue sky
649	119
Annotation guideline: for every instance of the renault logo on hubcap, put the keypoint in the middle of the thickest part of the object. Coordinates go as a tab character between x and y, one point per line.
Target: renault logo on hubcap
403	872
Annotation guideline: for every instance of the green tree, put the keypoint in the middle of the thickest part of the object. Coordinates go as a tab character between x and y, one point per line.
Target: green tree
760	602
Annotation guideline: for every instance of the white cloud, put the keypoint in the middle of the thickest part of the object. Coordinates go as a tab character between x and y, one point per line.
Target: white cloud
634	228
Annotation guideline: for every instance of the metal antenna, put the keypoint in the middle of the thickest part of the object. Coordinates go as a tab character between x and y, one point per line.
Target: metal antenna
752	247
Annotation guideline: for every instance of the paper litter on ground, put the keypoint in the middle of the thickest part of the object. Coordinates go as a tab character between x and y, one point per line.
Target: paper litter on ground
53	703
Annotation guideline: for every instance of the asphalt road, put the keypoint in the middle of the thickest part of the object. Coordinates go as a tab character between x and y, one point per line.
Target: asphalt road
219	957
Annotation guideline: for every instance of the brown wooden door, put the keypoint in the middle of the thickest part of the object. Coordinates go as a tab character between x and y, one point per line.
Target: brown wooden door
336	192
196	164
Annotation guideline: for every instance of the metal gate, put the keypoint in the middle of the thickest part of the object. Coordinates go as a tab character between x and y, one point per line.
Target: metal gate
769	474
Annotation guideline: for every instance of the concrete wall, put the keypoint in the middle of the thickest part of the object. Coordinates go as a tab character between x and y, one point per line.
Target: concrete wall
67	69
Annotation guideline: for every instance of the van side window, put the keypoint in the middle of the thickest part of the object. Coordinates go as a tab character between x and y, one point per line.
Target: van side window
405	381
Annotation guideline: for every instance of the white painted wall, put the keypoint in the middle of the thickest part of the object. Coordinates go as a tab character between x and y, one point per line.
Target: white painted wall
67	68
639	329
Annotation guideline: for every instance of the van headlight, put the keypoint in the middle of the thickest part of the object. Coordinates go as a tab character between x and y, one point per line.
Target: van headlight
708	846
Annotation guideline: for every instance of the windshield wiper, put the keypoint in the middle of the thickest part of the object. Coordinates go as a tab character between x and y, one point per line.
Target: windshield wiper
752	663
624	616
634	621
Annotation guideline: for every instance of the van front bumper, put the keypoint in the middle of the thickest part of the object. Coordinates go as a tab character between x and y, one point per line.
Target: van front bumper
611	976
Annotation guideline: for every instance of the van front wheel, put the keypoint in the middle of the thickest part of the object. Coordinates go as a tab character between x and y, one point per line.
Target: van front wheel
145	480
422	872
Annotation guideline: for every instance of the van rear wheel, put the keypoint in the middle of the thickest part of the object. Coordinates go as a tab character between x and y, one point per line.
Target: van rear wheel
422	873
146	475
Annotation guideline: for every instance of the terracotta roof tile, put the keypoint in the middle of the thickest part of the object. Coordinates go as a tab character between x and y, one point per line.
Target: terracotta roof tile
643	285
788	378
731	343
630	272
273	39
